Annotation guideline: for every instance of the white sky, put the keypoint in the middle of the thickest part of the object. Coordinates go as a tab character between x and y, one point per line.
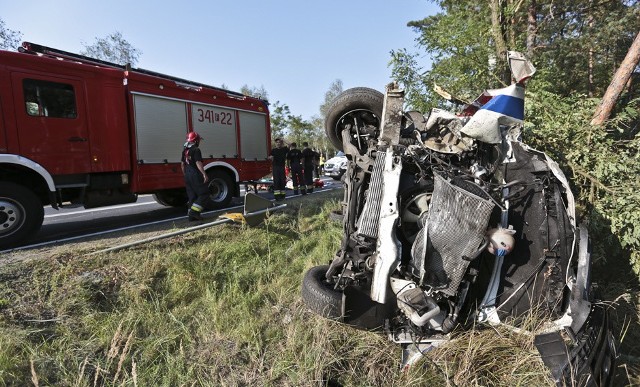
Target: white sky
294	49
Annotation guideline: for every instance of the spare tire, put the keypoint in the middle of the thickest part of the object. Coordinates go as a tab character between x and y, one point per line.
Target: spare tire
360	107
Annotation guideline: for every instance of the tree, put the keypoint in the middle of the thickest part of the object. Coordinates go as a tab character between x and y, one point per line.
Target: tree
299	129
258	92
457	41
618	83
9	39
334	89
113	48
575	44
280	114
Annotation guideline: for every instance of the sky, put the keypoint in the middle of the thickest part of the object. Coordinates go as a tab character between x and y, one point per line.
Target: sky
295	50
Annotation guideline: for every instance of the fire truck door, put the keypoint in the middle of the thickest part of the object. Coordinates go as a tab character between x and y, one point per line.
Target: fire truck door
52	122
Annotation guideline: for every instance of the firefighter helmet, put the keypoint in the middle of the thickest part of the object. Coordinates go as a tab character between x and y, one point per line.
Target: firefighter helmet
193	137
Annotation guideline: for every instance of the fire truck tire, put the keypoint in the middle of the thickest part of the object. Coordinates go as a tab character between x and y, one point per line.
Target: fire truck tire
220	188
319	295
21	213
360	107
171	198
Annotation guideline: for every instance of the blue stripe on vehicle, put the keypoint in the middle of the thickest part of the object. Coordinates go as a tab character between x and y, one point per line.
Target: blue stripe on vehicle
507	105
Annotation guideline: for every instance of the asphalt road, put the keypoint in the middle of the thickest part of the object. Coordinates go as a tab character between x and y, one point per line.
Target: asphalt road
75	223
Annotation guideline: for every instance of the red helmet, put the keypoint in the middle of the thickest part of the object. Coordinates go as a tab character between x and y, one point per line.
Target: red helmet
193	137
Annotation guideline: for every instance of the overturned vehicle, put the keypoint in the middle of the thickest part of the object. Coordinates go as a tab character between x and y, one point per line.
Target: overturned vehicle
450	220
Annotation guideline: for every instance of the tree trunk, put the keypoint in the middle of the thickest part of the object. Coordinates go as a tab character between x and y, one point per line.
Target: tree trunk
532	28
620	79
497	31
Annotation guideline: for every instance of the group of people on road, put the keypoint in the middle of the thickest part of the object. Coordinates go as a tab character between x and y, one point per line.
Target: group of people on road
301	163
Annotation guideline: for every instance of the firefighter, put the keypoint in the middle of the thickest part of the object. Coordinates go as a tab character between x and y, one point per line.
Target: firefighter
195	177
278	158
295	159
309	157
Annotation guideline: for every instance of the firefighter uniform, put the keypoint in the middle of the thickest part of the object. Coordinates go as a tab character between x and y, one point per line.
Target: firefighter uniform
197	190
309	157
279	159
295	162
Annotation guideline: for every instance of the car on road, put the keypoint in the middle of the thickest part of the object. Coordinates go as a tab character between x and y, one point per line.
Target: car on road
336	166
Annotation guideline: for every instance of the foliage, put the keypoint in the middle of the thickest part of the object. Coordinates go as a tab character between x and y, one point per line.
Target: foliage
456	41
258	92
588	37
280	114
9	39
599	164
112	48
334	89
296	129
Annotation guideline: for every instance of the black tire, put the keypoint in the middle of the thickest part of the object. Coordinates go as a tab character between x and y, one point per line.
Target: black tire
21	214
359	105
171	198
220	189
319	295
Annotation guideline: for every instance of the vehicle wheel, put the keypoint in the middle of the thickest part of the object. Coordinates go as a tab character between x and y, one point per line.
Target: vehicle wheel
171	198
21	213
319	295
359	107
220	189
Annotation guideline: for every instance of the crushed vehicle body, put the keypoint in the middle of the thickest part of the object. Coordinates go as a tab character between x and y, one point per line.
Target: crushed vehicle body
451	220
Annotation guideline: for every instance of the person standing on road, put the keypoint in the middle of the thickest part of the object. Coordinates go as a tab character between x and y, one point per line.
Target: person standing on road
195	177
309	156
316	163
278	158
321	165
295	159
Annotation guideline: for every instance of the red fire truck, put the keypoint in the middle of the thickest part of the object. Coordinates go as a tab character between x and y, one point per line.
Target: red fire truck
76	130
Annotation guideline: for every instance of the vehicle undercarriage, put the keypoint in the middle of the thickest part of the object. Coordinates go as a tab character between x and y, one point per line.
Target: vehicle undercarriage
445	226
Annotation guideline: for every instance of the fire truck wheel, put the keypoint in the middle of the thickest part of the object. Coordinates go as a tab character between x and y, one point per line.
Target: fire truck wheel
360	108
319	295
21	213
220	189
171	198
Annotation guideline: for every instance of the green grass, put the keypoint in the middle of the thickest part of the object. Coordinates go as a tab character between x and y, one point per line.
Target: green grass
220	306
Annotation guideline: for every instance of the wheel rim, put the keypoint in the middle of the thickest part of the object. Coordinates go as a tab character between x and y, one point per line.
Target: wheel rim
11	216
359	119
218	190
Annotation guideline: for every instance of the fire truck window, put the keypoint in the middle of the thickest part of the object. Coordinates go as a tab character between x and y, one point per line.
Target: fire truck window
49	99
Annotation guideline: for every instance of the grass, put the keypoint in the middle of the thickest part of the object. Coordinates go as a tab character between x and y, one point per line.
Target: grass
220	306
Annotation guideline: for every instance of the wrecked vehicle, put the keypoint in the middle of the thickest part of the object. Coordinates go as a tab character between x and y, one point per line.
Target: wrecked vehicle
452	220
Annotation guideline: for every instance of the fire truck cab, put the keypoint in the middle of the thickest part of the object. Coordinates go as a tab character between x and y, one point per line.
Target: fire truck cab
76	130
